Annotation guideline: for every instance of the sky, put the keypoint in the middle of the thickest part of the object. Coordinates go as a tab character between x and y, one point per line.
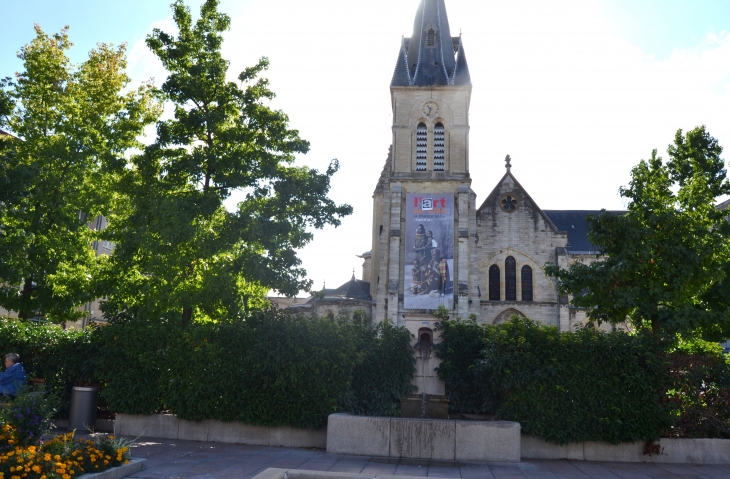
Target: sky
576	91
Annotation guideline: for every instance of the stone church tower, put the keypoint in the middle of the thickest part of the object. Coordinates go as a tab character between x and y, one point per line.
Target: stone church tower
429	157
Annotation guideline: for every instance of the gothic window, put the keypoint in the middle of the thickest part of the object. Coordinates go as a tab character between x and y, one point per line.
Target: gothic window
494	283
438	147
510	279
421	147
431	38
526	283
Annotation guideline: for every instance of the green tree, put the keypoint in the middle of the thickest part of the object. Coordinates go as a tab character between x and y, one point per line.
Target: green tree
72	125
178	248
666	260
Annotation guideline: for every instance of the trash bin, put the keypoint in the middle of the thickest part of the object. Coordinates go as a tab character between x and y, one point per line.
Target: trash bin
83	408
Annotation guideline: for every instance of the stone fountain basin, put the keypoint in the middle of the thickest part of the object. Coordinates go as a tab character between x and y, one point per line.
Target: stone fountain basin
439	439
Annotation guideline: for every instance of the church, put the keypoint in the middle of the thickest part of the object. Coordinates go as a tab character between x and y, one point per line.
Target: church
433	244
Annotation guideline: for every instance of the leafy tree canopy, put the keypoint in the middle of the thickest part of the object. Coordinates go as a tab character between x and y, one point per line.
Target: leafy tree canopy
667	260
178	248
71	126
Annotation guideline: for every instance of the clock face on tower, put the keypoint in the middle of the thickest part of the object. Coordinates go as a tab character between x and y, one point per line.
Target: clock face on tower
430	109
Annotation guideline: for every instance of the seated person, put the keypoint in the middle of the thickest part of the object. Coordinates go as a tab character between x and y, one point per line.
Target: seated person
13	378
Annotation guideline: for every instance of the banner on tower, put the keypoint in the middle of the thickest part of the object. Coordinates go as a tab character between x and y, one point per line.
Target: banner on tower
429	256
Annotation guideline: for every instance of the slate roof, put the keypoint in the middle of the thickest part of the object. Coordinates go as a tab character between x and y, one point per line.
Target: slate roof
426	60
724	205
353	289
574	223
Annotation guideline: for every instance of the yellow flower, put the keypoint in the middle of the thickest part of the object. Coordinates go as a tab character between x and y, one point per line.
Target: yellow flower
57	457
125	462
66	476
47	457
37	469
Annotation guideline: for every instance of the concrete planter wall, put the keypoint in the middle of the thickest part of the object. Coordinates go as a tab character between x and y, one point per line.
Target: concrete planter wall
441	439
447	440
692	451
168	426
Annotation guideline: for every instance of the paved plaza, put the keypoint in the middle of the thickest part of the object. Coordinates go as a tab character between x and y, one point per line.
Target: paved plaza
175	459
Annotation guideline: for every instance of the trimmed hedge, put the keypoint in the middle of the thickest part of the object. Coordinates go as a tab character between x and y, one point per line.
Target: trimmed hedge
273	369
61	357
569	387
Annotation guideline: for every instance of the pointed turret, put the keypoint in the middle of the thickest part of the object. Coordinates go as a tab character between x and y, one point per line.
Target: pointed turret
431	56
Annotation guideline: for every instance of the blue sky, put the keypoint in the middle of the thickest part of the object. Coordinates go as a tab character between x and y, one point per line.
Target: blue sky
576	91
659	27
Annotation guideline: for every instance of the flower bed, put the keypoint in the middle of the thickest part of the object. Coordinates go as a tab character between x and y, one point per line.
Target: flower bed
60	458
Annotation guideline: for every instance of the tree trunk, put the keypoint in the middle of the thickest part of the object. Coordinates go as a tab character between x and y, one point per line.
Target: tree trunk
187	316
25	295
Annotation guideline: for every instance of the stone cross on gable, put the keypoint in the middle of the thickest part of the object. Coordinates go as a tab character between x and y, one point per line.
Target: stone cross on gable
507	160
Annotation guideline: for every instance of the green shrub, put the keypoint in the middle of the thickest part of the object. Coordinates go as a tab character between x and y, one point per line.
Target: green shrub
383	376
699	389
461	344
132	358
272	369
582	386
61	357
565	387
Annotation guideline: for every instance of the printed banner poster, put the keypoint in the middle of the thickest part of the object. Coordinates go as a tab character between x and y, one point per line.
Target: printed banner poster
429	257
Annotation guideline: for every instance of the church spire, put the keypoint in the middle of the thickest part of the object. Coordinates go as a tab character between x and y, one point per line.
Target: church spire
431	56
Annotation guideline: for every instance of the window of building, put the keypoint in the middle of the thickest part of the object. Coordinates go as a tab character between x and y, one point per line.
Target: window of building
438	147
421	146
510	279
494	283
431	38
526	283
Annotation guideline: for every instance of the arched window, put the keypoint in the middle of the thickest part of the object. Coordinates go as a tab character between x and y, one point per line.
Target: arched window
421	147
438	147
510	279
494	283
431	38
526	283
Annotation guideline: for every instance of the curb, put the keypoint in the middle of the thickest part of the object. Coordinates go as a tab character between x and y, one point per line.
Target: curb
135	465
